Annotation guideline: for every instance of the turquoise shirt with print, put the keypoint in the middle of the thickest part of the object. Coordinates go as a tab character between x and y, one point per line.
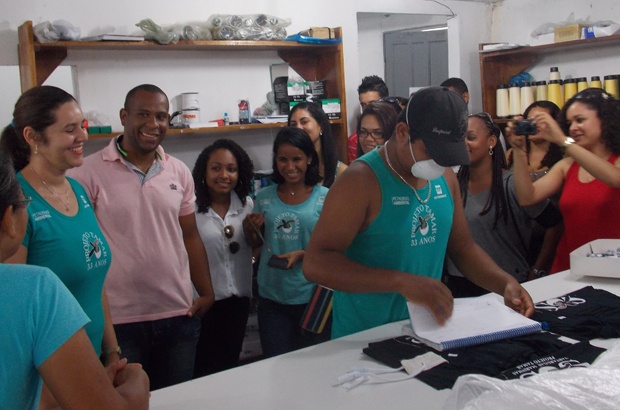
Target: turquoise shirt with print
74	248
407	236
38	316
287	228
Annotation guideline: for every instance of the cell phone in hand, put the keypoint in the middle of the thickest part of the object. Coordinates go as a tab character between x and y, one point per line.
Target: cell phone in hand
277	263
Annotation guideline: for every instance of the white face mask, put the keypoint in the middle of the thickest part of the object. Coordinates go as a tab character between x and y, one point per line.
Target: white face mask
427	169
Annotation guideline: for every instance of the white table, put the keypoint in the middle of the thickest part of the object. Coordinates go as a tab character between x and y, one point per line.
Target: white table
303	379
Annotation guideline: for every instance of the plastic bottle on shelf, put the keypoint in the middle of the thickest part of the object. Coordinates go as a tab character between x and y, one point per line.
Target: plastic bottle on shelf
244	112
595	82
570	88
515	99
582	84
527	95
611	85
502	102
226	119
554	74
554	92
541	90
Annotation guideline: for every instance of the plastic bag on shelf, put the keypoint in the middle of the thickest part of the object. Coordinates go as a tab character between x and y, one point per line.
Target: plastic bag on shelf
158	33
45	32
587	388
59	30
247	27
66	30
196	31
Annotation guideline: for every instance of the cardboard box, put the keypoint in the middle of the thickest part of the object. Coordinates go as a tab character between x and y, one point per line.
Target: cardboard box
605	266
321	32
331	107
568	33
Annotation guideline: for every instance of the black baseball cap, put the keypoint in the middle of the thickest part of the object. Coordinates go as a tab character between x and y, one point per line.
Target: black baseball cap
438	116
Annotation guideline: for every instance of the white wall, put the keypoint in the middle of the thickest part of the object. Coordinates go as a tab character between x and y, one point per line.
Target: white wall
515	20
104	78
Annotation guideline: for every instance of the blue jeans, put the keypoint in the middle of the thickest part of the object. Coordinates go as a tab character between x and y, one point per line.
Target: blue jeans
279	330
166	348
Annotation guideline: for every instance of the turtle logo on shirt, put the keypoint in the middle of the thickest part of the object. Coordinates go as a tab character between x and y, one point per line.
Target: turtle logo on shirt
423	225
286	226
96	249
95	253
561	303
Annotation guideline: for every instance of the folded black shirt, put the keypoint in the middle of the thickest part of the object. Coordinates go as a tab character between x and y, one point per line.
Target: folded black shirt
584	314
496	359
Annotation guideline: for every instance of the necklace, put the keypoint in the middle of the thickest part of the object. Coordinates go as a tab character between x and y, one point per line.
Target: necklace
65	202
415	192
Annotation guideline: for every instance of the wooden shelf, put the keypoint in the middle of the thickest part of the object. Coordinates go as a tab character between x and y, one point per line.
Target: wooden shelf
312	61
497	67
211	130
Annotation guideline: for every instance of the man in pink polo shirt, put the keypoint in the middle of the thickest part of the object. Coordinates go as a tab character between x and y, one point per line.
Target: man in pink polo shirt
144	201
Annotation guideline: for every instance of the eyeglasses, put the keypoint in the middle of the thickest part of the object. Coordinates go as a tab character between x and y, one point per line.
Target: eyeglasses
376	135
26	202
229	232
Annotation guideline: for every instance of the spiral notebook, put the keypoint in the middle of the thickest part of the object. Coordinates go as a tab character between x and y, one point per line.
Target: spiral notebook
474	321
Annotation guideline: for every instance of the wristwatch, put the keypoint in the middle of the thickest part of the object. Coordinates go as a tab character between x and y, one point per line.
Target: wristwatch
567	141
539	272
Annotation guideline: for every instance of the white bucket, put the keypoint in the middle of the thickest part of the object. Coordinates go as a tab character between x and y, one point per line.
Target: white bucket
190	116
189	101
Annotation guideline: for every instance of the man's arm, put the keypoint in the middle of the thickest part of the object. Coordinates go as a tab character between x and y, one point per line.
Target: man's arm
198	266
351	204
477	265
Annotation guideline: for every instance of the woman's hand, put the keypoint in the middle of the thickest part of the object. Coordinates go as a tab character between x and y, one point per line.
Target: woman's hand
292	257
251	227
548	128
515	141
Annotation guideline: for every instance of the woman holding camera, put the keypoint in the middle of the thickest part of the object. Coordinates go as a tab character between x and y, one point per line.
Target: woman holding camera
589	175
541	154
497	223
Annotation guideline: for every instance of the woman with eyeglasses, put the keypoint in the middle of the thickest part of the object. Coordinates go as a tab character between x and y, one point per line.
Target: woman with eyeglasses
497	223
223	176
43	335
375	125
46	139
589	175
286	212
311	118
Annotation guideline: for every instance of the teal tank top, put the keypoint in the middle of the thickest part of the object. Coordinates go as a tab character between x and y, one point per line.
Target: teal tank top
74	248
407	236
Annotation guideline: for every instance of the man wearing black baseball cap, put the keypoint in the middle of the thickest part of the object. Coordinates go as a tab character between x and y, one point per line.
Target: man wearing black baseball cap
389	220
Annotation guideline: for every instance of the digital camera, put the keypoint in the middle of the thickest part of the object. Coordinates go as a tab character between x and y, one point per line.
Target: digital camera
525	127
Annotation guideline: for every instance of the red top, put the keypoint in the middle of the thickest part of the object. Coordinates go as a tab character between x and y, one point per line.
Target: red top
591	210
352	146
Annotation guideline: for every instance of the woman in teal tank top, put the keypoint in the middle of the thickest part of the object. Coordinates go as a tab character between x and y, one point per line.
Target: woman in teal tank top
287	213
45	139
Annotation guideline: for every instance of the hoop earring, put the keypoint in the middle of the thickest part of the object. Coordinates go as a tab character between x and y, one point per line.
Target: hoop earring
491	151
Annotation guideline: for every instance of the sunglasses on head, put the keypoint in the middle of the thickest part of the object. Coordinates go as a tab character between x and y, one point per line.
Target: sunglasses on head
229	232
